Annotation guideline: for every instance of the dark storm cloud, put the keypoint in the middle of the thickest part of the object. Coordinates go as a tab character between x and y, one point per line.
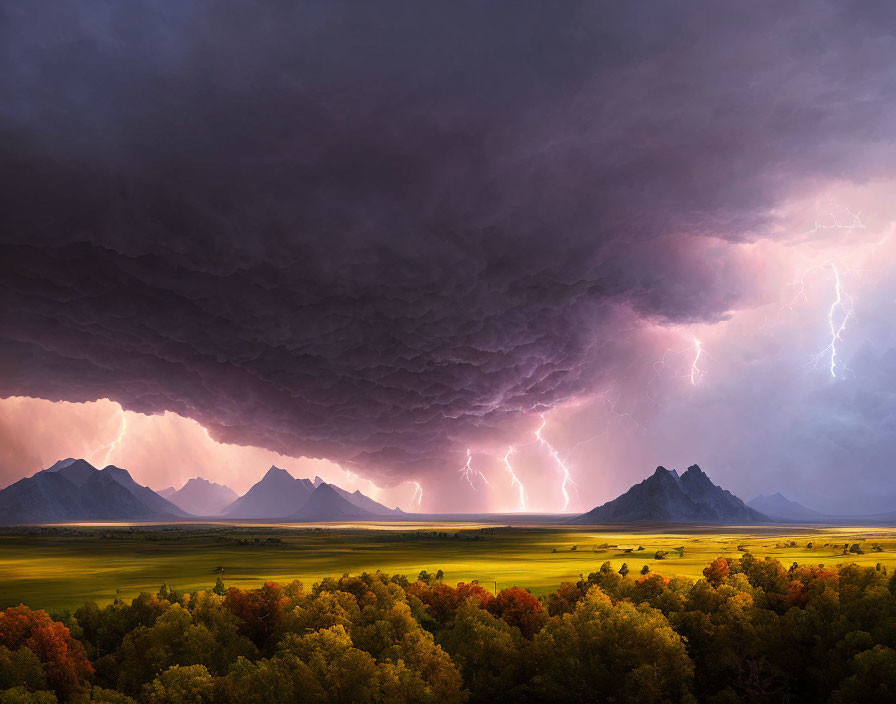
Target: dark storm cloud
369	232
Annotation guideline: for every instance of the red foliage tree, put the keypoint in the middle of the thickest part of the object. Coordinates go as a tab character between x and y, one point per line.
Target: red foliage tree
260	610
465	591
519	608
442	600
64	658
717	572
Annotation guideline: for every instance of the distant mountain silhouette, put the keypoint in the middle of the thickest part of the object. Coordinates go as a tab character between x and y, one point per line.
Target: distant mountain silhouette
276	495
780	508
666	497
279	495
167	492
203	498
74	490
327	503
362	501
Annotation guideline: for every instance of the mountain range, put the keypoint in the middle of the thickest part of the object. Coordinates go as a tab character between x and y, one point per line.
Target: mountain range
280	496
667	497
74	490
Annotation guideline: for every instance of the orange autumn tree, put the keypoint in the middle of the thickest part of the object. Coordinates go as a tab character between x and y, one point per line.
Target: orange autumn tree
519	608
717	572
64	658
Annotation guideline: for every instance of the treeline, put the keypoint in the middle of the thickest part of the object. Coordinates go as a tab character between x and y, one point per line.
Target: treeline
751	631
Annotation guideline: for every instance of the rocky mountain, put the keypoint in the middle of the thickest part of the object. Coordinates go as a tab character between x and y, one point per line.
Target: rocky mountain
74	490
275	496
203	498
666	497
779	508
328	503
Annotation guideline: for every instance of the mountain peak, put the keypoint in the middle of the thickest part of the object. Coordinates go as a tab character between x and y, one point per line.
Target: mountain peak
327	503
780	508
662	474
317	481
275	495
276	472
73	489
62	464
202	497
664	497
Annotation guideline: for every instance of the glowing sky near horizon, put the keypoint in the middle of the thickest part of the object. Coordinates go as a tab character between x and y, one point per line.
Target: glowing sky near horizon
606	240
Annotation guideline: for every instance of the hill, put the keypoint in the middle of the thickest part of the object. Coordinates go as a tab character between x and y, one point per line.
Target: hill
666	497
75	490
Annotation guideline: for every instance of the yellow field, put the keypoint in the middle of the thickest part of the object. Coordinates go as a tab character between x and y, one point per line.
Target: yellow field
100	562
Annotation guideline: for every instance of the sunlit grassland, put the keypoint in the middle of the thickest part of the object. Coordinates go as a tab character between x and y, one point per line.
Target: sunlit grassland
53	571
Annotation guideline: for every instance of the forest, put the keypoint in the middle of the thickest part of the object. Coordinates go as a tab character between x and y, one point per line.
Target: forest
750	630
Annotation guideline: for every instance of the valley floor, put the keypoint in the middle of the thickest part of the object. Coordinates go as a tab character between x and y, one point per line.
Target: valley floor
62	567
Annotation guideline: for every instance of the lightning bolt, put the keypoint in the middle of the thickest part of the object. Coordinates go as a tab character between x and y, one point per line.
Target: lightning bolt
418	494
111	447
467	470
567	477
514	480
854	224
696	373
839	313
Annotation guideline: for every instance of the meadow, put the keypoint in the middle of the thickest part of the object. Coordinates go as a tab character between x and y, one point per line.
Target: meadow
57	568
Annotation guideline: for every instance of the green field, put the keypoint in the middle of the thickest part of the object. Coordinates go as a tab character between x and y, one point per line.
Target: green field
58	568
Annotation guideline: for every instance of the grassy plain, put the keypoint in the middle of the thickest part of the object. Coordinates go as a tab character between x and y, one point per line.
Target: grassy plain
62	567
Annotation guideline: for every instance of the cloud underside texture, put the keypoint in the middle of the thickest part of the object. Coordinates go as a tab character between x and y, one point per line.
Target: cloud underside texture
380	233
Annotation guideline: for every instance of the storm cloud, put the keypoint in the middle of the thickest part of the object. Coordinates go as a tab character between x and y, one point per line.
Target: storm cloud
380	233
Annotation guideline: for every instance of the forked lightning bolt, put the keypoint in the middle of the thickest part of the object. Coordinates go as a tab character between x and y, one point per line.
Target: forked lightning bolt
839	313
835	224
695	374
514	480
567	478
467	472
418	494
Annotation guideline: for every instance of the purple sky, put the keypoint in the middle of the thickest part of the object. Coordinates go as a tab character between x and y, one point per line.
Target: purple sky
382	235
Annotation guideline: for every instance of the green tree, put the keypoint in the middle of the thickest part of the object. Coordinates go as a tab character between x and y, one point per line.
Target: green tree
488	651
625	652
624	569
191	684
21	668
873	680
21	695
219	588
